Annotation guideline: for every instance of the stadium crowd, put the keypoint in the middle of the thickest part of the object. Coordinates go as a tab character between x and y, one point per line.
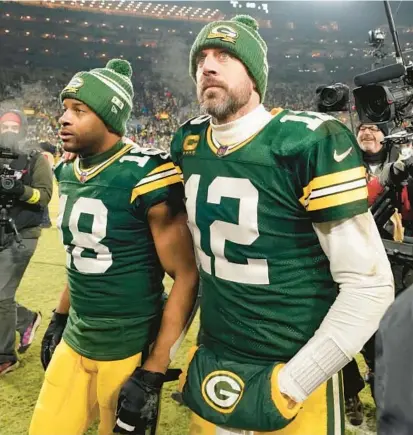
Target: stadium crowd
160	104
157	113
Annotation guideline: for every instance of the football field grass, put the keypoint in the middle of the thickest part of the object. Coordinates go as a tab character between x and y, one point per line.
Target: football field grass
39	290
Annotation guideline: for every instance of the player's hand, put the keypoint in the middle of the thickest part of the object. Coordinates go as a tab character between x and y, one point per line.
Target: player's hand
285	405
138	402
52	337
15	189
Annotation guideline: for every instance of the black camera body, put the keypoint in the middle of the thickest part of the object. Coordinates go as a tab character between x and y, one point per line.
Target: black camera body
8	177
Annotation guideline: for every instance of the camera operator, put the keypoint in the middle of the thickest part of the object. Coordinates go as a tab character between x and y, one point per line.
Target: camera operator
376	157
25	189
375	154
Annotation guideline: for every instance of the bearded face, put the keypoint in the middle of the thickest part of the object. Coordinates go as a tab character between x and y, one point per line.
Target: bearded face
224	86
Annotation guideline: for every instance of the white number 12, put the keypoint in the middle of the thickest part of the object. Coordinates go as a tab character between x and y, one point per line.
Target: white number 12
243	233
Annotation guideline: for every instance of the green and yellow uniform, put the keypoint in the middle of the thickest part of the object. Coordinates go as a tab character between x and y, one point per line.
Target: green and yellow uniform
115	280
266	280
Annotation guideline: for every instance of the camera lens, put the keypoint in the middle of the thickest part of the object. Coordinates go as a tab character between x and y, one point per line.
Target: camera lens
7	183
330	96
377	107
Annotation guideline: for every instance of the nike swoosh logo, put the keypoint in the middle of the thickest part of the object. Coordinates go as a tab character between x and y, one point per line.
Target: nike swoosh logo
340	157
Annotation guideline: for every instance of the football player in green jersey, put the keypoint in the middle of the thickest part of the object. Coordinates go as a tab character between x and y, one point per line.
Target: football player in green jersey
294	275
123	224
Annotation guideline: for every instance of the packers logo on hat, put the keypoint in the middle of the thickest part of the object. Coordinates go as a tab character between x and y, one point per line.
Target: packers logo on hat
74	85
225	33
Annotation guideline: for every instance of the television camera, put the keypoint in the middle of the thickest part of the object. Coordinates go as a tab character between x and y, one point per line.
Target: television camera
8	178
376	102
383	95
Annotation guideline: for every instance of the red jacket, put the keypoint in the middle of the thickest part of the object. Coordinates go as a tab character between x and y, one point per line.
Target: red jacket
375	188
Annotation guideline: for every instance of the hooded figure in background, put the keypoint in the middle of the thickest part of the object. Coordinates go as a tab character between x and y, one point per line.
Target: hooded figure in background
26	184
13	130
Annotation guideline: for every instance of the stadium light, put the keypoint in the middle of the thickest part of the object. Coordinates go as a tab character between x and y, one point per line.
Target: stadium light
7	31
27	33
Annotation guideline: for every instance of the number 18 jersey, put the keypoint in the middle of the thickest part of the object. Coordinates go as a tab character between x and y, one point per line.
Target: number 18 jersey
266	281
114	273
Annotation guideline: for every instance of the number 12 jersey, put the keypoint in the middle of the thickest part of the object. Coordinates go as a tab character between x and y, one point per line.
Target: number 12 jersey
265	279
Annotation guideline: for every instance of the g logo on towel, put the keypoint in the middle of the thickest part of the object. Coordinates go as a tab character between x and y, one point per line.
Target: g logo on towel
222	390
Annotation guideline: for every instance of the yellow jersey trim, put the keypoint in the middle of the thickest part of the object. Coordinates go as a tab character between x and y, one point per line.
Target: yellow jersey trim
330	180
216	149
154	185
161	168
87	174
337	199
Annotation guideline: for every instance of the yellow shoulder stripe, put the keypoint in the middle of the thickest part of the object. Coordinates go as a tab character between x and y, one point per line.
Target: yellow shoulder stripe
154	185
332	179
337	199
161	168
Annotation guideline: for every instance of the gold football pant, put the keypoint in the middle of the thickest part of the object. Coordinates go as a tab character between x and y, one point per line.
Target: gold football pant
321	414
76	390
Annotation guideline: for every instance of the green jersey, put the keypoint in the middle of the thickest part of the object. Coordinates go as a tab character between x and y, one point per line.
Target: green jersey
114	273
265	279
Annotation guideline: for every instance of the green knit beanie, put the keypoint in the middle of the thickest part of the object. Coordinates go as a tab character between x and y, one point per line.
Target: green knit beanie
107	91
239	36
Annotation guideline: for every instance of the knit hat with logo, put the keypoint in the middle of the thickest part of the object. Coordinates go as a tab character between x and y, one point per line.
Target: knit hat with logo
107	91
239	36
